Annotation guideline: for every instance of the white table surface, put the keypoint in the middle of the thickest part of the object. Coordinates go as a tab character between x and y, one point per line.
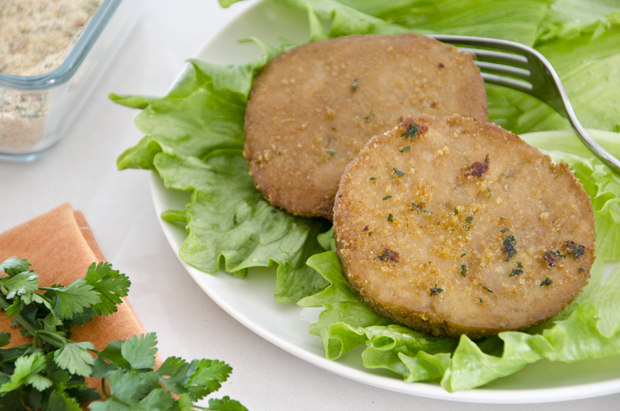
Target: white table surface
81	170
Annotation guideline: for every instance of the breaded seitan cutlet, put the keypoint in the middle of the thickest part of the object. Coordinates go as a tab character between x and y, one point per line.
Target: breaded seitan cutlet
312	108
451	226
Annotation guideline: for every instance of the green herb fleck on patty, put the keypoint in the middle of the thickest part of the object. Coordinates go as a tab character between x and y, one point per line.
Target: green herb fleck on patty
546	282
411	132
419	207
435	290
510	247
514	272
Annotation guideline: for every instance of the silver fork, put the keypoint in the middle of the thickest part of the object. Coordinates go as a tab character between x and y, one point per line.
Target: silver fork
536	77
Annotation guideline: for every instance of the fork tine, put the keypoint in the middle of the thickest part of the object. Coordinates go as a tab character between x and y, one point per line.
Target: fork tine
507	82
497	57
503	70
503	45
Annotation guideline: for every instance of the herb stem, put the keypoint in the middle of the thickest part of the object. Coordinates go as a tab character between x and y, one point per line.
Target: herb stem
37	333
20	318
51	338
103	388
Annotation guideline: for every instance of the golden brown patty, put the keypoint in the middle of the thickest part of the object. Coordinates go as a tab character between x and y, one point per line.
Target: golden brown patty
314	107
450	226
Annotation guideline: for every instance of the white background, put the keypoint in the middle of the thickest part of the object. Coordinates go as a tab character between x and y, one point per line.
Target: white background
81	170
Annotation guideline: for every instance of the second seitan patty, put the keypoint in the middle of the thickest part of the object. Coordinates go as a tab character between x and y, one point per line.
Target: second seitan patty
312	108
452	227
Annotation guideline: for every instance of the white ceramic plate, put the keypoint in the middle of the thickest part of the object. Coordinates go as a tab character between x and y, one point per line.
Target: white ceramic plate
250	300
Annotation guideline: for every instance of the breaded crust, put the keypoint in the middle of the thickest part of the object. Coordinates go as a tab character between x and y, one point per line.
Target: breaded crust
452	227
313	108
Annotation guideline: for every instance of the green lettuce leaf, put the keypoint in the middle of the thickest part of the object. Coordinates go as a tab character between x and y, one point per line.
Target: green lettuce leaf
345	18
344	316
413	355
227	217
567	19
588	68
521	113
194	119
519	19
204	111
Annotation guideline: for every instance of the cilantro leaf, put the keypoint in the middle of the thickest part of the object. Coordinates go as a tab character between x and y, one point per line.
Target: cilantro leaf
206	377
139	351
25	367
18	284
75	358
5	339
30	298
102	368
110	284
176	369
158	399
225	404
179	122
60	401
195	380
84	394
39	382
13	308
74	298
131	386
15	401
14	265
109	360
8	356
50	322
173	367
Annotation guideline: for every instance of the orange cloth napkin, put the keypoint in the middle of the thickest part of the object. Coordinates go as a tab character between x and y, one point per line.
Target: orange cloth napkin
60	246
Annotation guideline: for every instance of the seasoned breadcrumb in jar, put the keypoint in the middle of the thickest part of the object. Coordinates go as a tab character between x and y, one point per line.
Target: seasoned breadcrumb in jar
37	35
35	38
22	118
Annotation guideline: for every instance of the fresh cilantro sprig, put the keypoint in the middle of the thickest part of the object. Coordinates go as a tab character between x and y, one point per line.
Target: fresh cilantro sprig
50	373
